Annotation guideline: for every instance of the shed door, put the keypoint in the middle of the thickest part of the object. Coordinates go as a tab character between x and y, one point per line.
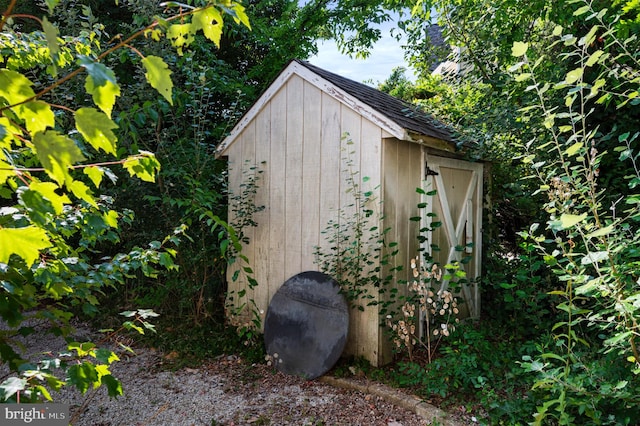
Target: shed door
457	206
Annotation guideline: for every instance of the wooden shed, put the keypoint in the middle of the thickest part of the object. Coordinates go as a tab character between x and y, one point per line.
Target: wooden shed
295	135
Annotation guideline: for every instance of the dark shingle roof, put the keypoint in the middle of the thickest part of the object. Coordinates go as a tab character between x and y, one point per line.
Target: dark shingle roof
438	48
404	114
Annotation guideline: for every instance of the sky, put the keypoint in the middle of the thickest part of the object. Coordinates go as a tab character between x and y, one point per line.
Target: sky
386	55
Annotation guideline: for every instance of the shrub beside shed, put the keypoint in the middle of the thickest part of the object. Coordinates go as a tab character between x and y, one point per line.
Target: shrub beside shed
294	134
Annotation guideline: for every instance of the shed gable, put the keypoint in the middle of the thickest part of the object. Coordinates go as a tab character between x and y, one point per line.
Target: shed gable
396	118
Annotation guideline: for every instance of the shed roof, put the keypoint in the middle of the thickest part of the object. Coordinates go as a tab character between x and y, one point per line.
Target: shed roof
401	119
405	114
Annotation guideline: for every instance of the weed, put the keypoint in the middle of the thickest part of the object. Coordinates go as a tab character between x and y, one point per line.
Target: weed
357	253
436	309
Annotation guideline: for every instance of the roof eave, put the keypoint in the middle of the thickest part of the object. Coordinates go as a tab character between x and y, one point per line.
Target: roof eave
432	142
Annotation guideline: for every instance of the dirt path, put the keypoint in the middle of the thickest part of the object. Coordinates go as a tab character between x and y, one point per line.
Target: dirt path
224	391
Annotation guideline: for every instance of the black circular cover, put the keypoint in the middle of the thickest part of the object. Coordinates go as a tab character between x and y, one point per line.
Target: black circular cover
306	326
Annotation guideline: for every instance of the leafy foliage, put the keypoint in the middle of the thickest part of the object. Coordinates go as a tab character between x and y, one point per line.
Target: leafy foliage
212	88
592	245
53	225
567	110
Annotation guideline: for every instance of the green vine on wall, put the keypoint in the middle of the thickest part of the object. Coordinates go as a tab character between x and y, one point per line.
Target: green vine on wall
243	314
357	254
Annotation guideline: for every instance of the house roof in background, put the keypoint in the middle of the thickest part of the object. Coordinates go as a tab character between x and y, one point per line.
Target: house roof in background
440	49
404	114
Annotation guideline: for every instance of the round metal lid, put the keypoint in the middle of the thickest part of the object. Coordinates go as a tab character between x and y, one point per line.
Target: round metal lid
306	326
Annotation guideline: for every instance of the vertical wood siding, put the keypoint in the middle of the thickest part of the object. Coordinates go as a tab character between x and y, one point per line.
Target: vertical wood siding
402	174
260	259
298	134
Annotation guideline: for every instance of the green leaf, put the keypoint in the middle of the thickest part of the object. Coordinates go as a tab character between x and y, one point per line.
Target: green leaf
597	85
601	232
603	12
593	58
551	355
574	75
101	84
523	77
619	337
15	87
106	356
82	191
9	387
7	131
39	208
51	34
129	325
51	4
181	35
239	15
519	49
589	38
570	99
589	287
95	173
26	242
569	220
96	127
48	191
582	10
166	260
145	166
83	349
82	376
6	172
37	116
44	392
573	149
594	257
111	218
57	153
159	76
621	384
210	21
114	387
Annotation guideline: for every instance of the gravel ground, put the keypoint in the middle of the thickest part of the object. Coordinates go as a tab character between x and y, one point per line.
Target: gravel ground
224	391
